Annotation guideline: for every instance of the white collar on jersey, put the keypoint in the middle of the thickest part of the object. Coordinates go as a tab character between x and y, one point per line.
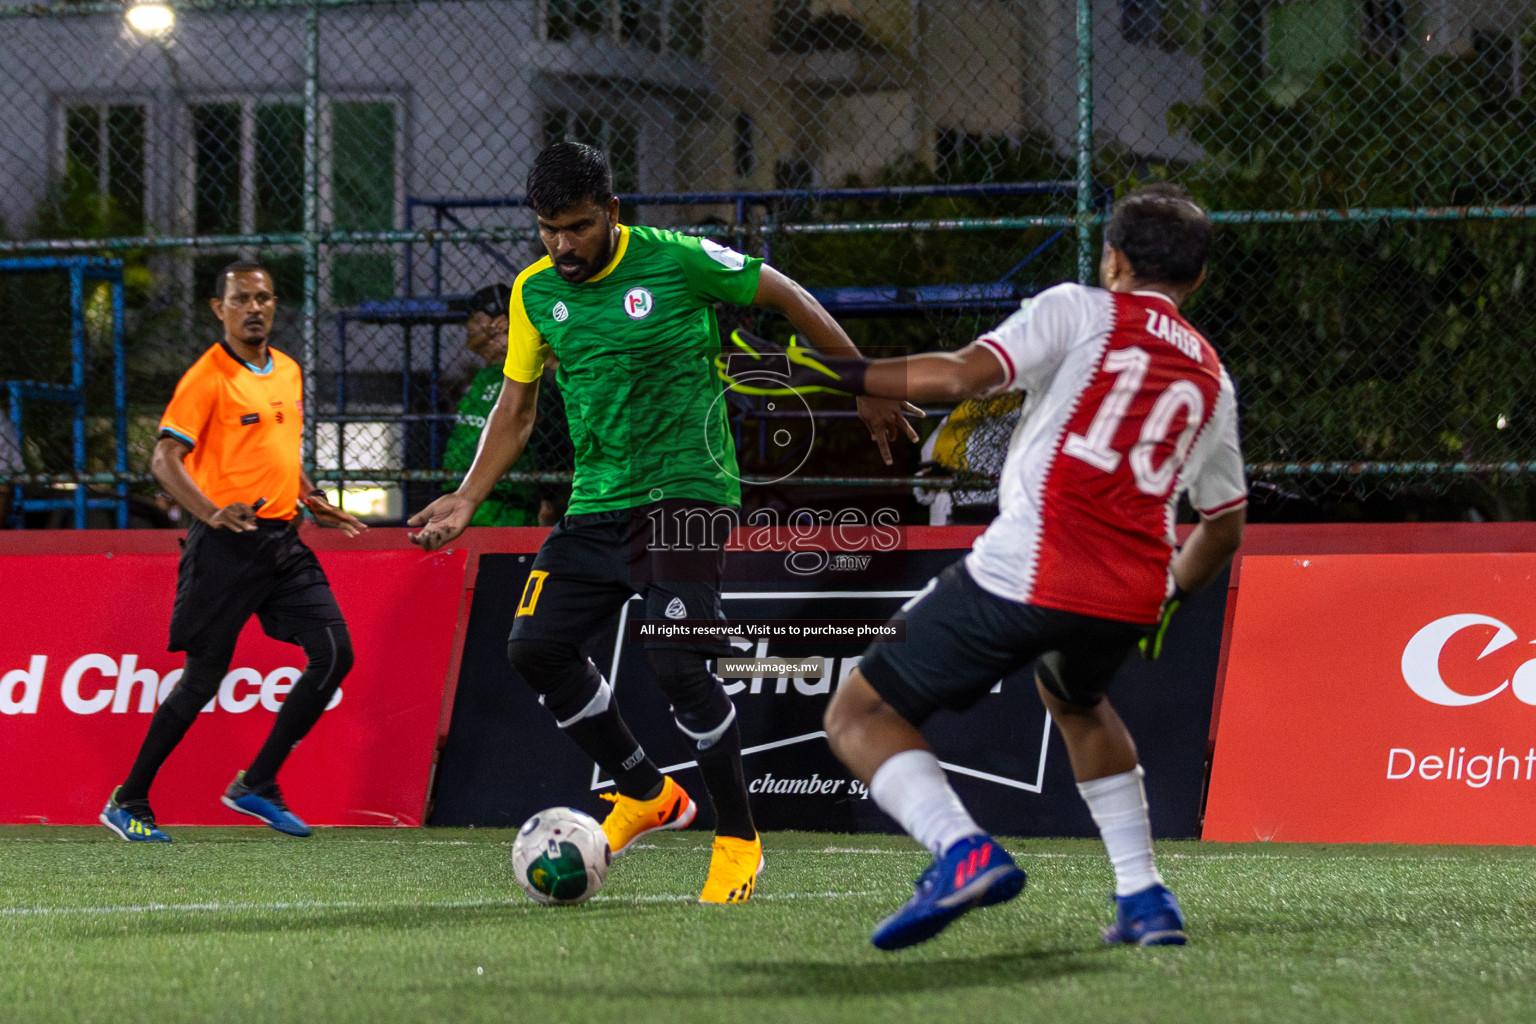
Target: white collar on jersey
1156	295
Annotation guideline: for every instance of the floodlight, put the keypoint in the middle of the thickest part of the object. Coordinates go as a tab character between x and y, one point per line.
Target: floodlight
151	18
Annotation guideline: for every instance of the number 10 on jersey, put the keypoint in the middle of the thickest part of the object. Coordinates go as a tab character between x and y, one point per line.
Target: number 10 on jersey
1096	447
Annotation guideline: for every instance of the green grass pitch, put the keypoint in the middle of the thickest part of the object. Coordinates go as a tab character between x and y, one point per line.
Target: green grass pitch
405	926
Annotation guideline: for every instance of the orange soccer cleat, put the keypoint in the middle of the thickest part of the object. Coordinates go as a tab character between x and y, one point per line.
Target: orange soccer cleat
630	819
733	870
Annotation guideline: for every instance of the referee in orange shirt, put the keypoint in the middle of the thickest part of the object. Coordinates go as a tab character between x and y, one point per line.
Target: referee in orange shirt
228	454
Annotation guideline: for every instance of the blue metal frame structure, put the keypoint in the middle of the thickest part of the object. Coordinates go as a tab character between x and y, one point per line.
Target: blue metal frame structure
80	270
406	313
855	301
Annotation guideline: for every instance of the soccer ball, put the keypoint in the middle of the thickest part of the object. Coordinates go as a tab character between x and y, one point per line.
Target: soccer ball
560	855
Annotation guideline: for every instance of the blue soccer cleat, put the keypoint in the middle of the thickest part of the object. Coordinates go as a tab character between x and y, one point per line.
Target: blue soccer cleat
1147	918
264	803
135	822
975	872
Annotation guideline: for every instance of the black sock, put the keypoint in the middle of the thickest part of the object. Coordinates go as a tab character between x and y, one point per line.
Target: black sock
300	711
329	653
200	677
727	785
607	740
166	729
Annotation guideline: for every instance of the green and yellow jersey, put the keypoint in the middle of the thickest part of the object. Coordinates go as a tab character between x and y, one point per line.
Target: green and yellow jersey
636	344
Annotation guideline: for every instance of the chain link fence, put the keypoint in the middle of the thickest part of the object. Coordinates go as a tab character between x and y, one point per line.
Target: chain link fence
921	165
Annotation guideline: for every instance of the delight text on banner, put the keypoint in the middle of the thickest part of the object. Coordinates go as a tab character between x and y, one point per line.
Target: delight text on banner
1379	698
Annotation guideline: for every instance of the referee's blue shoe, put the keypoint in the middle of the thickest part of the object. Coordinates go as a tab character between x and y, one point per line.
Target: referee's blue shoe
975	872
264	803
1150	917
134	822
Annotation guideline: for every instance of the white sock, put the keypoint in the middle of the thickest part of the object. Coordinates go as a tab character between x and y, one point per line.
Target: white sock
912	788
1118	804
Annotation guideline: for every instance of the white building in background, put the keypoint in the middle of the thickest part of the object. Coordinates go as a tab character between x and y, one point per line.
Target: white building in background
201	132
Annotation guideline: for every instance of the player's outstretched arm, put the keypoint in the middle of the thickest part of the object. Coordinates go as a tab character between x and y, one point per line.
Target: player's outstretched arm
883	416
936	376
506	433
167	466
933	376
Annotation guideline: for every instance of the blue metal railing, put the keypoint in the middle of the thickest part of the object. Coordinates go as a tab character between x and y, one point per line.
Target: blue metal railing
80	270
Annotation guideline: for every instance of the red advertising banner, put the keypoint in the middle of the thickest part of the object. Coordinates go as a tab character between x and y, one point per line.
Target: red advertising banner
83	666
1379	698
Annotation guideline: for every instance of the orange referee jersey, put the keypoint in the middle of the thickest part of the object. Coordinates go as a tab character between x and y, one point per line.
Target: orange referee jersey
245	427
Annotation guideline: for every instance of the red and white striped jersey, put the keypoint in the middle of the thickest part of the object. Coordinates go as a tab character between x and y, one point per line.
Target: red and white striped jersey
1127	407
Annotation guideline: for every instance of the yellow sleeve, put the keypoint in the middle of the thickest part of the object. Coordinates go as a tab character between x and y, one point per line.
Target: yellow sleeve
526	348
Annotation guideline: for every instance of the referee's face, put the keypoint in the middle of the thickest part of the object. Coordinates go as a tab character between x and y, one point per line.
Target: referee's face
581	237
247	308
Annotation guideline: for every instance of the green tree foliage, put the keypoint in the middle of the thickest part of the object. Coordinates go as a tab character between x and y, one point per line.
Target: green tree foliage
35	324
1399	340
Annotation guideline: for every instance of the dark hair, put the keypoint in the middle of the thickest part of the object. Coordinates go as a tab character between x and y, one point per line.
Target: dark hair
492	300
565	174
238	267
1164	234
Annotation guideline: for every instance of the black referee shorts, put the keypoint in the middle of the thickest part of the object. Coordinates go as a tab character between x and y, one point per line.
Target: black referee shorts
671	552
961	640
225	577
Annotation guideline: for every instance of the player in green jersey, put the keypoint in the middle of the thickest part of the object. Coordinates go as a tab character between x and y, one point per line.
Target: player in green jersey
629	312
509	504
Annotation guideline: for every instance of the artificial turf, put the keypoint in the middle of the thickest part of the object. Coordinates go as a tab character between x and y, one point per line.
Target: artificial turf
424	925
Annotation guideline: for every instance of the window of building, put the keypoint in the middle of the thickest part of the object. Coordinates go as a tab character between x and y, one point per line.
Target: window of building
364	185
104	164
1383	28
655	25
794	173
564	20
616	137
1141	21
800	27
743	145
248	167
641	23
248	178
685	28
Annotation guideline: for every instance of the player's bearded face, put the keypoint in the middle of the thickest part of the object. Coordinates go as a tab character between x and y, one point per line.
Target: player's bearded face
580	238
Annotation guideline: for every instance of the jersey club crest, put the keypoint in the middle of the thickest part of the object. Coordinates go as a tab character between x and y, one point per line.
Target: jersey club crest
638	303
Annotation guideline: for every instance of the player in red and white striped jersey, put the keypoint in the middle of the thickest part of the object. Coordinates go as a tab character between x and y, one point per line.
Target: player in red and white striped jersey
1127	408
1128	405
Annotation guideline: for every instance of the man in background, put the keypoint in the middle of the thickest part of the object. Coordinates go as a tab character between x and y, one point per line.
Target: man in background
510	504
